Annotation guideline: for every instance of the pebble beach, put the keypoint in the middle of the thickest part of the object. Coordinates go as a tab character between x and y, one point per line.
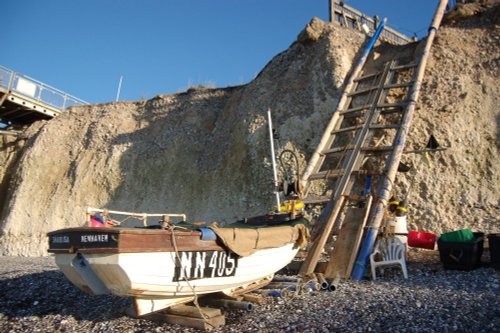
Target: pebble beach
36	297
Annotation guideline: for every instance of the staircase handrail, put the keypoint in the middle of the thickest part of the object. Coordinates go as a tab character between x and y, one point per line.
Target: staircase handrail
9	81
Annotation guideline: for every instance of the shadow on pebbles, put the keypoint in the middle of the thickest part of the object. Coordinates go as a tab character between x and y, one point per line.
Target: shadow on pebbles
36	297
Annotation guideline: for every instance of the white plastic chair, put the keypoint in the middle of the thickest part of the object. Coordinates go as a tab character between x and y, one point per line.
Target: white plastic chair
392	251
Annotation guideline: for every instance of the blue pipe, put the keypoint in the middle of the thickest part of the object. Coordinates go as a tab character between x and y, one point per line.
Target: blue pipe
372	41
366	248
274	293
291	287
358	272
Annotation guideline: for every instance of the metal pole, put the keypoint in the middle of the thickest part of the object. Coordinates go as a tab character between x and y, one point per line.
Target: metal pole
11	80
273	159
330	11
119	88
385	187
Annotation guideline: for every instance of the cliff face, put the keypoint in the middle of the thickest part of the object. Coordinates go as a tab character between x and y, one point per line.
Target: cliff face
205	152
459	104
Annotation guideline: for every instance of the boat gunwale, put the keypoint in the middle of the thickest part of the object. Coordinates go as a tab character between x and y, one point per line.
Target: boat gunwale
120	230
131	240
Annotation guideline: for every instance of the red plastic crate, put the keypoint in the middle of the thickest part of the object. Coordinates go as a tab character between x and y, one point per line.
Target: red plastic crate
421	239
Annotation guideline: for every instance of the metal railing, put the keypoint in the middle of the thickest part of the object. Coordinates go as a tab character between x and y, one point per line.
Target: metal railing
350	17
35	90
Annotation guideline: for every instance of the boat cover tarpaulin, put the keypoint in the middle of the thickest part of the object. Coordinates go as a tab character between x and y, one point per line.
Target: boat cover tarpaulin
245	241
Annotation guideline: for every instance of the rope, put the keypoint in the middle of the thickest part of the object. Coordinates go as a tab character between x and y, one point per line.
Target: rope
299	289
195	295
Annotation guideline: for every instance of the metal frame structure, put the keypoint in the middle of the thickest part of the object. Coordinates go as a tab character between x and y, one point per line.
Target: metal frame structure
22	97
352	18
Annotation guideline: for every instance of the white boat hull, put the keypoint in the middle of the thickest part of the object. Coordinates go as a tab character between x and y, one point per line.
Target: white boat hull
163	266
158	278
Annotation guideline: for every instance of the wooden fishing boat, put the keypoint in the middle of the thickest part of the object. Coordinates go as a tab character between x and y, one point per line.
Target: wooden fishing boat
173	263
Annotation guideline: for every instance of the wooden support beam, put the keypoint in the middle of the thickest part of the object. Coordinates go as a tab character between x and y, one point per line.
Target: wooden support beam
405	66
325	228
368	76
333	173
337	150
347	129
347	244
384	127
354	112
399	105
316	200
192	311
362	91
258	299
190	316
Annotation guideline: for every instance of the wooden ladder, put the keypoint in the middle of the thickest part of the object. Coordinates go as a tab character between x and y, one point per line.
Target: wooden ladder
372	113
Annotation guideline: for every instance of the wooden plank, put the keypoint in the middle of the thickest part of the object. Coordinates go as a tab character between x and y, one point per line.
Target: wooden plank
368	76
379	149
357	109
333	173
359	235
316	199
347	129
324	227
257	299
338	150
346	243
362	91
327	174
384	127
145	306
406	66
192	311
203	324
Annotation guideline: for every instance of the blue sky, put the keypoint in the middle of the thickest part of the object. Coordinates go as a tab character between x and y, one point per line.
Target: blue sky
162	46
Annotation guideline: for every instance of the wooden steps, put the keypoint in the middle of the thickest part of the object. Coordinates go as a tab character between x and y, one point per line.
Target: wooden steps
356	127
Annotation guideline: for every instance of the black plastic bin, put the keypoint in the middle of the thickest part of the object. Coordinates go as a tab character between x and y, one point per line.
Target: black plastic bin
462	255
494	242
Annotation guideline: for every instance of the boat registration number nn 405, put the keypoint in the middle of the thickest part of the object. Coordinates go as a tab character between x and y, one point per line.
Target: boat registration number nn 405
204	264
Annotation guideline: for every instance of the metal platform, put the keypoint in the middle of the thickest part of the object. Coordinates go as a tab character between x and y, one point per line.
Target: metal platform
24	100
346	16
